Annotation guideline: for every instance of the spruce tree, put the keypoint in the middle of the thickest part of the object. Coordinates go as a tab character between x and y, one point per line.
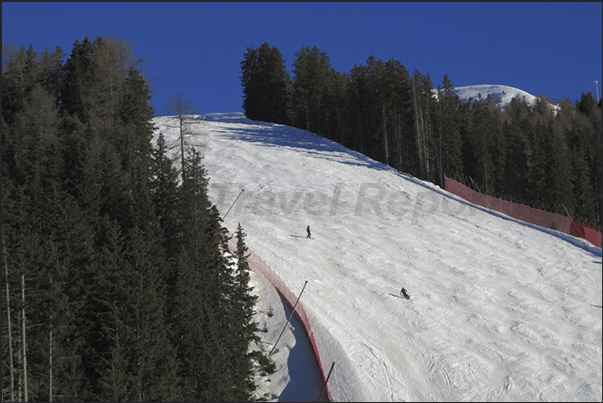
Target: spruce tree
336	101
357	107
424	106
311	72
78	78
163	187
449	129
152	359
245	327
399	108
265	83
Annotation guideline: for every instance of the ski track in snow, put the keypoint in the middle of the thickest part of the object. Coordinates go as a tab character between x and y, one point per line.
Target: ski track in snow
499	311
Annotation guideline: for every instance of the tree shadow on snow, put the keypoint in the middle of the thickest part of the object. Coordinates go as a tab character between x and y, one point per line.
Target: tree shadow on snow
274	135
306	382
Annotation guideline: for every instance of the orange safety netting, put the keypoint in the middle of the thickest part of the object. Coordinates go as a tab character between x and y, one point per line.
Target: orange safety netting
526	213
258	264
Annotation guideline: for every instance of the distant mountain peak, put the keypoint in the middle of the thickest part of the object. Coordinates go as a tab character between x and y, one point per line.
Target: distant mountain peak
500	93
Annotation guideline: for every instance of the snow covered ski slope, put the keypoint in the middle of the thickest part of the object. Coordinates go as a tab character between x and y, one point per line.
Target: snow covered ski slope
499	310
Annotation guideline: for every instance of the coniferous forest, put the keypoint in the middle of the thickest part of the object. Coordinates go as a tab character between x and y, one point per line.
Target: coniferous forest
524	153
115	282
116	286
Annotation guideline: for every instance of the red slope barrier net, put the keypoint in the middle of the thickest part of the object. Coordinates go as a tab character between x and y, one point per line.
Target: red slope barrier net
526	213
258	264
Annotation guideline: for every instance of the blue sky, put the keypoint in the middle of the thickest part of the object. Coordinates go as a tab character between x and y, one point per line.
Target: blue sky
554	49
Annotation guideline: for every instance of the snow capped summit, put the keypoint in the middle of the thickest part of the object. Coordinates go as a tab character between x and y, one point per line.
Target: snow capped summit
502	93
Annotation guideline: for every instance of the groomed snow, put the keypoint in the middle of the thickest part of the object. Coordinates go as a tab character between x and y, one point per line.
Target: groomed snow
499	310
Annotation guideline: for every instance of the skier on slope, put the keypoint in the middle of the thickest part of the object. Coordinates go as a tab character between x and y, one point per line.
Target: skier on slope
309	234
405	293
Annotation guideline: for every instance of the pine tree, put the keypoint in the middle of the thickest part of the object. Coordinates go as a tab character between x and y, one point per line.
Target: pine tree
516	163
163	188
133	138
480	142
78	79
200	307
245	329
577	134
196	336
548	170
399	107
358	107
311	72
51	73
265	83
336	103
594	155
152	357
376	131
423	106
448	121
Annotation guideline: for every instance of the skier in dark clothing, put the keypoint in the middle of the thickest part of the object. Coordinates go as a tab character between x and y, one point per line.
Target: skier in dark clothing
403	292
309	234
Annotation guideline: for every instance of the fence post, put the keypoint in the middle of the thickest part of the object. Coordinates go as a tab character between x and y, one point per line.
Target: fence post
292	312
327	380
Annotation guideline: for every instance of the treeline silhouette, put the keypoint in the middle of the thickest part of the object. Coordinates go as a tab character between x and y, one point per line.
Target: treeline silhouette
538	154
116	285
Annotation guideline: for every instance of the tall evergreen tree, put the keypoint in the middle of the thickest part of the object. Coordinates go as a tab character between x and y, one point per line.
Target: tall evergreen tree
163	188
265	83
449	134
337	100
245	328
78	79
423	100
311	72
594	155
399	108
101	282
358	107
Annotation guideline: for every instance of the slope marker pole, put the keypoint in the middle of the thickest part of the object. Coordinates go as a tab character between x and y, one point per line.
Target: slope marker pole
480	192
292	311
327	380
233	203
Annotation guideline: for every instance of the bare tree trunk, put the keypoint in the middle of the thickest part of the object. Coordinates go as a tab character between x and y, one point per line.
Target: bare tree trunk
307	119
359	136
23	337
419	132
50	363
183	108
385	144
181	124
440	162
10	332
327	132
397	136
427	136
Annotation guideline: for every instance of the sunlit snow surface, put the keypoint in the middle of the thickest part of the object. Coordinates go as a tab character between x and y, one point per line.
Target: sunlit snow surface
499	310
501	94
